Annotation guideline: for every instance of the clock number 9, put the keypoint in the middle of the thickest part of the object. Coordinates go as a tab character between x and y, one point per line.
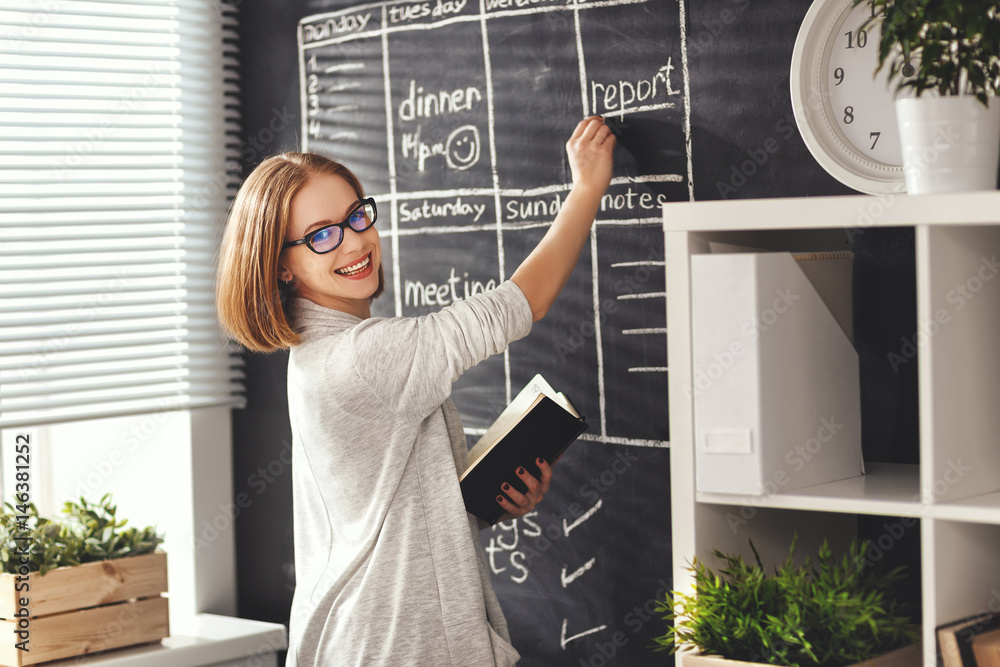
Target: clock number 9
862	40
848	115
839	75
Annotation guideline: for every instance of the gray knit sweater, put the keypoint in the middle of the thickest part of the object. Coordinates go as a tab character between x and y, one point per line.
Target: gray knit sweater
388	565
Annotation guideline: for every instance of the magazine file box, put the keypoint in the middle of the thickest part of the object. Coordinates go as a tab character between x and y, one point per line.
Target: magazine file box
776	391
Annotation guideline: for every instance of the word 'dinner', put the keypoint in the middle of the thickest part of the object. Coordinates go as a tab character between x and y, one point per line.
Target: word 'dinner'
460	147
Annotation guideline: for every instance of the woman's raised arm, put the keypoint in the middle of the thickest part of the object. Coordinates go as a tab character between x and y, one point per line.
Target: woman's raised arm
544	272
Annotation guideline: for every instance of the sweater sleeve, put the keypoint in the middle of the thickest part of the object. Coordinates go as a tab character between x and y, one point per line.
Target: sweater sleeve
410	363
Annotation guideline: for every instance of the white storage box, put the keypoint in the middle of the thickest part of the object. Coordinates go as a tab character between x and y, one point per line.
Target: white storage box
776	391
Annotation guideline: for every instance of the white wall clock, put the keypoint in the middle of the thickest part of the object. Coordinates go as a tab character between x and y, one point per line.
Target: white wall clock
846	116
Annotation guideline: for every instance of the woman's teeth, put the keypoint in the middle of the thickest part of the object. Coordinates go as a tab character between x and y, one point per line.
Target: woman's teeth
355	268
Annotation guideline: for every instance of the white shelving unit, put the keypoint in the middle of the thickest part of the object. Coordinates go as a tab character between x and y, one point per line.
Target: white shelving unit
953	494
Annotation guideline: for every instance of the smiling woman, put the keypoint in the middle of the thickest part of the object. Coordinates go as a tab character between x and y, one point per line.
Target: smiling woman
384	546
287	198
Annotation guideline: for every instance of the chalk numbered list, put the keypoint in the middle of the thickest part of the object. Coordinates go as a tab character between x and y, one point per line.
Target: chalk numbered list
455	114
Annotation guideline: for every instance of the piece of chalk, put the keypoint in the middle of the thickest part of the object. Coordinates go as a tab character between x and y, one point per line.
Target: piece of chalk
615	125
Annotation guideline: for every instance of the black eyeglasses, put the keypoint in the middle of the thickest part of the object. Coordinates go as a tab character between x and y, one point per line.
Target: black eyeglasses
327	238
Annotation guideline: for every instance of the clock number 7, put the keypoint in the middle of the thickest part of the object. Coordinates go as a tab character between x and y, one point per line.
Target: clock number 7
874	137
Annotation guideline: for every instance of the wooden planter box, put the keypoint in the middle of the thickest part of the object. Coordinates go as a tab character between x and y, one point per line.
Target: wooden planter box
83	609
908	656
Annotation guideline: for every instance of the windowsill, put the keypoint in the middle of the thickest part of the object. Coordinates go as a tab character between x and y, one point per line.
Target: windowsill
207	639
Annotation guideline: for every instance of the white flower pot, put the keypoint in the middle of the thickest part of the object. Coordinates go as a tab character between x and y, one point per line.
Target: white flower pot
950	144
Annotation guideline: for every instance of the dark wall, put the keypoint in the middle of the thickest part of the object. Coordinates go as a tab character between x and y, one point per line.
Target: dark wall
739	53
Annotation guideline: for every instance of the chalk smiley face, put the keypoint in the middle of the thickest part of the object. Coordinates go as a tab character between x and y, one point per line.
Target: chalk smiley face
462	148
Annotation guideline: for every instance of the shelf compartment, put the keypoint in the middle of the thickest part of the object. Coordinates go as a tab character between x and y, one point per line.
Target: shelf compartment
886	488
966	568
958	294
729	529
892	540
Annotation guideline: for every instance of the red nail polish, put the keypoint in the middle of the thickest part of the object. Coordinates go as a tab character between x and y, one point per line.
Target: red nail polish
520	471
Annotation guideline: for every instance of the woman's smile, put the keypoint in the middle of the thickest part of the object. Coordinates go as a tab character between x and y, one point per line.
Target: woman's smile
358	270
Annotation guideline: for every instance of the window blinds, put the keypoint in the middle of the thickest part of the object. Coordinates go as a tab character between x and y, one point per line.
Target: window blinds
118	156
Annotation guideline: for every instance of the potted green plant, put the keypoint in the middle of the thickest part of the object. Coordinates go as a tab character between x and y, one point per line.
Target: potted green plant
79	585
831	614
946	54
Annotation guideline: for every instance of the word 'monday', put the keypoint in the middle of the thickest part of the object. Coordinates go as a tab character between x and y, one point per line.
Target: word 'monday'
335	26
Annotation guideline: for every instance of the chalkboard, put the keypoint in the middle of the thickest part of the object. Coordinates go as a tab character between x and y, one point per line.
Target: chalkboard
454	114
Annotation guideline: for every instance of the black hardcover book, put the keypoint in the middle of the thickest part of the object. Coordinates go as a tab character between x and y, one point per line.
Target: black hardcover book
542	429
966	635
955	639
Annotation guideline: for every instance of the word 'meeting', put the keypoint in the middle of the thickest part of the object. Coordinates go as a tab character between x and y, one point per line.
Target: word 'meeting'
417	293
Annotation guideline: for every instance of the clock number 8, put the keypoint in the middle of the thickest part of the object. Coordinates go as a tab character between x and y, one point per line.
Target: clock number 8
848	115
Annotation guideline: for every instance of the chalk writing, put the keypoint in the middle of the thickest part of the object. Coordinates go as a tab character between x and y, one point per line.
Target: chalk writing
511	4
427	210
608	97
426	105
420	10
419	294
502	550
564	640
532	209
630	199
342	24
460	150
568	579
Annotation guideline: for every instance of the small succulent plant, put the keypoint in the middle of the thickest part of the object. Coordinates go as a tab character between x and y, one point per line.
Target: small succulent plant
90	532
830	614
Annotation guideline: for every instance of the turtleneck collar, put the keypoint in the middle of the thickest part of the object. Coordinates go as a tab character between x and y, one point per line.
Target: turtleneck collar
311	320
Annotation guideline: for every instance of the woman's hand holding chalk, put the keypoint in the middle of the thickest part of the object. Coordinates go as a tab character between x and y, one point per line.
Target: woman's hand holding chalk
589	150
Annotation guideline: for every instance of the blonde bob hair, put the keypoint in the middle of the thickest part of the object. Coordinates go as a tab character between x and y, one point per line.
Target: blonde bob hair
254	306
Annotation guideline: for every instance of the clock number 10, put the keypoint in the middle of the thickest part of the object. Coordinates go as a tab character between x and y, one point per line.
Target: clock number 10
861	40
